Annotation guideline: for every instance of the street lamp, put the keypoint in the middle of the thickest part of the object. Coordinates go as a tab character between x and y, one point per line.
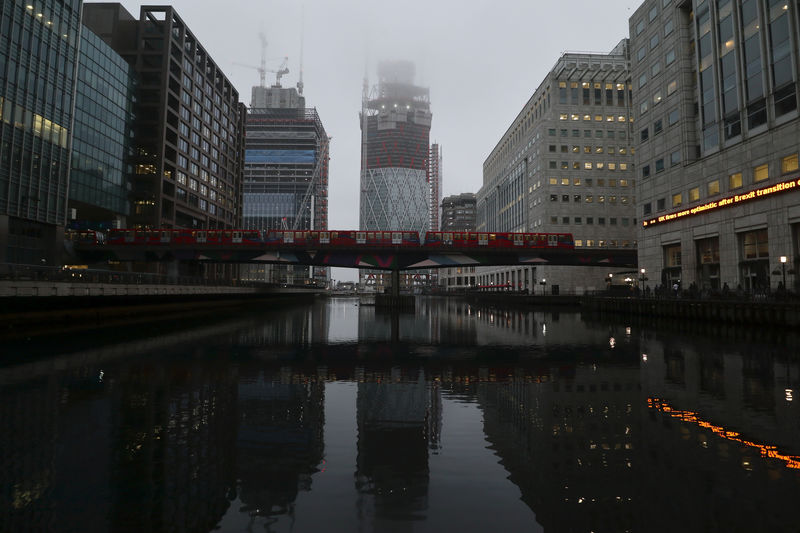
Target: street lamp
643	278
783	270
543	283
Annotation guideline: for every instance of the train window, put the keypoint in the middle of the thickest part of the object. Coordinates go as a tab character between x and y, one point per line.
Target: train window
492	236
335	234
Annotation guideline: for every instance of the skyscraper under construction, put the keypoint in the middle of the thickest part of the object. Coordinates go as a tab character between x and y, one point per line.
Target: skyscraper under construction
395	145
395	132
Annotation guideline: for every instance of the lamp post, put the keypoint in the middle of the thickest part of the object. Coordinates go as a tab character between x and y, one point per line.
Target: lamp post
643	279
783	270
543	283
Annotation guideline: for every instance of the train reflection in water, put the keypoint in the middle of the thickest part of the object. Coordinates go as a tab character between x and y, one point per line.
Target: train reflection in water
268	425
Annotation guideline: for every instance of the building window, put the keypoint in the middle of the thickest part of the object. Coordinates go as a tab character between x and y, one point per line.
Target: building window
553	197
789	164
639	27
661	204
672	87
640	53
694	194
735	180
553	181
565	197
657	97
669	57
672	256
675	158
660	165
760	173
576	197
658	126
713	187
643	108
677	199
642	81
672	117
564	181
644	135
647	208
652	14
755	244
668	27
655	69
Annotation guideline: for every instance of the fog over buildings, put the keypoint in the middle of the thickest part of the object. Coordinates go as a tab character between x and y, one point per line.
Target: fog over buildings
481	61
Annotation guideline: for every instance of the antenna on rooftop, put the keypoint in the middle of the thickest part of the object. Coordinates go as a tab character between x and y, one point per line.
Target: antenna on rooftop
302	38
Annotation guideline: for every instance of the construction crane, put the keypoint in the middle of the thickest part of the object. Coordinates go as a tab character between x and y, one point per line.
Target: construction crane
262	68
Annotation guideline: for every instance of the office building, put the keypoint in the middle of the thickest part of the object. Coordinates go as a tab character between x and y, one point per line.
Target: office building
435	185
717	139
189	123
395	133
285	174
102	144
38	58
458	214
565	166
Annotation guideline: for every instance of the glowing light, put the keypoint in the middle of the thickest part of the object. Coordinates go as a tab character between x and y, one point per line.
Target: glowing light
628	331
728	201
612	342
644	357
765	450
789	395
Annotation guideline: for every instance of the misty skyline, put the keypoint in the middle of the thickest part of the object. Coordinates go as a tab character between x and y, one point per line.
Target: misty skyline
480	62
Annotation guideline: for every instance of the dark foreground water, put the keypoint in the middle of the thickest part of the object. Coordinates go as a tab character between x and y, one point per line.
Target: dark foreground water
457	418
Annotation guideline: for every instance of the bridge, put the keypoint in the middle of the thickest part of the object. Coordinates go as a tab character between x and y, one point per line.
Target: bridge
391	258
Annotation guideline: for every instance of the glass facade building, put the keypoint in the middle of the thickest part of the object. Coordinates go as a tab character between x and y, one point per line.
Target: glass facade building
101	146
38	55
396	124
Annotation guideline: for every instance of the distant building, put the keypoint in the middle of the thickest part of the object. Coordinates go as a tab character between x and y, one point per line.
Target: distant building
565	166
458	214
36	112
435	185
189	125
286	174
103	138
395	130
717	139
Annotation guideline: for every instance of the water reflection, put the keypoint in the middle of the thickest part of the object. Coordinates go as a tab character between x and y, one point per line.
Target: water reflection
267	424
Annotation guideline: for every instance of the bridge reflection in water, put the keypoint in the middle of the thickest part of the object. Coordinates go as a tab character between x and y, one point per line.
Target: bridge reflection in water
527	420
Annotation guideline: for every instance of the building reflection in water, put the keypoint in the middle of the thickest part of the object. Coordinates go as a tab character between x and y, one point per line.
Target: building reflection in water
648	432
399	422
279	438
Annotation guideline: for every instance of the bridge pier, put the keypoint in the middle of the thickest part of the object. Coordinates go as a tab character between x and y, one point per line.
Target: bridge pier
394	300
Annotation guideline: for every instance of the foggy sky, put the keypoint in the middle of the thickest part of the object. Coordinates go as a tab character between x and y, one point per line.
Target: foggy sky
482	60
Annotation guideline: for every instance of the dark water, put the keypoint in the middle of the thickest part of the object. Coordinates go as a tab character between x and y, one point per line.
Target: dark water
471	419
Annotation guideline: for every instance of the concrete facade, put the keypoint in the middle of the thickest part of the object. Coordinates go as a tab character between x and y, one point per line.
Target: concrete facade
717	140
565	166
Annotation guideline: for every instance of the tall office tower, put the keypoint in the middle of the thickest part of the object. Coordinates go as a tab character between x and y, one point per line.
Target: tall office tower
285	173
396	123
564	166
717	142
102	144
38	57
395	145
435	185
458	214
189	124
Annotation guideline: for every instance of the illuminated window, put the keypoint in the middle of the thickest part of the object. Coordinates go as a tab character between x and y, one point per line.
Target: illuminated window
694	194
553	181
587	118
599	166
623	166
735	180
657	97
598	118
672	87
677	199
576	181
713	188
575	117
601	199
564	181
578	243
760	173
672	256
589	199
562	116
587	166
612	166
755	244
789	164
